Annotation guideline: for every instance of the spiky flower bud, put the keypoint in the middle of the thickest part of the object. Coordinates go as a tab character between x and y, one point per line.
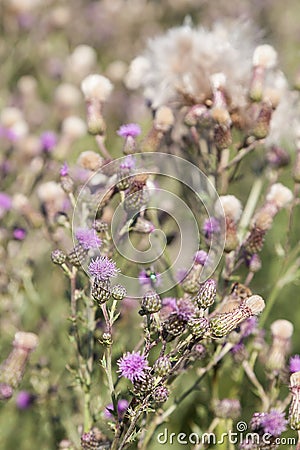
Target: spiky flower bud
144	384
160	394
162	366
12	369
294	411
222	136
100	226
198	326
143	226
58	257
282	331
206	294
174	324
222	324
77	256
151	302
255	241
94	440
101	290
118	292
106	339
190	283
135	200
262	123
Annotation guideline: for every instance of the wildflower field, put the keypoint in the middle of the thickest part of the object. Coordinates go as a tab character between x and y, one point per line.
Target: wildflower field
149	224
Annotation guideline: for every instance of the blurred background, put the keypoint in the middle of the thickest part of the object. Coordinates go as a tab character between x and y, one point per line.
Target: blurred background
41	70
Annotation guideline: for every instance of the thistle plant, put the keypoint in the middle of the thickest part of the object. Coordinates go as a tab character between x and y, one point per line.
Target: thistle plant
159	233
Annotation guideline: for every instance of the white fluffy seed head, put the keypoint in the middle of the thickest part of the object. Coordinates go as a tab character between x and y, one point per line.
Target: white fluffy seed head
50	191
164	118
256	304
74	127
282	329
96	87
83	56
232	207
27	341
90	160
280	195
265	56
137	70
218	80
67	95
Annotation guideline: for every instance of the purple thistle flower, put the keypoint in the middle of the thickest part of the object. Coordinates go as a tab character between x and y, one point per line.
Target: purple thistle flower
200	257
128	163
295	364
24	400
211	226
88	238
129	130
103	268
248	326
274	422
5	201
185	309
48	140
64	170
132	366
122	408
19	234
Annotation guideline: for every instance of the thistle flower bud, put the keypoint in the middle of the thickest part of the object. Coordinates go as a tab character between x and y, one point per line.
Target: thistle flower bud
262	122
144	384
73	127
101	291
94	440
294	411
151	302
90	160
222	324
118	292
206	294
279	195
77	255
143	226
136	199
100	226
162	366
12	369
160	394
282	331
190	283
198	326
174	325
96	87
58	257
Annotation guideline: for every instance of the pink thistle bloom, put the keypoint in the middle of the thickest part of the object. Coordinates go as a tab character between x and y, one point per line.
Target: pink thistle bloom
48	140
295	364
132	366
128	163
103	268
122	408
129	130
200	257
64	170
19	234
88	238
